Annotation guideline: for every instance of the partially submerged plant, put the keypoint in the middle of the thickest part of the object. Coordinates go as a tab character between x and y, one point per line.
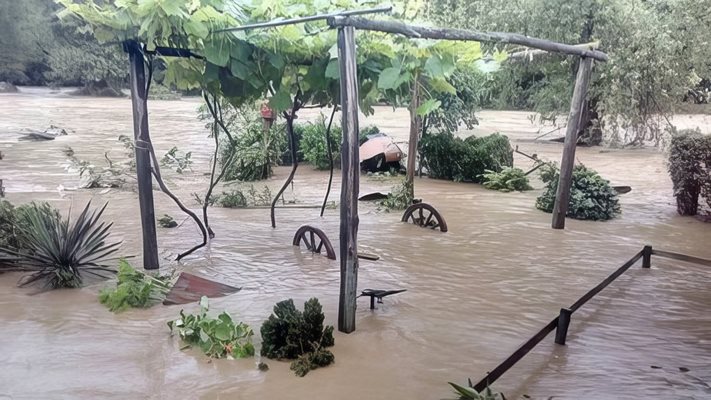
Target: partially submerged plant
591	196
92	176
399	198
300	336
238	197
216	337
508	180
60	254
468	393
177	160
166	221
134	289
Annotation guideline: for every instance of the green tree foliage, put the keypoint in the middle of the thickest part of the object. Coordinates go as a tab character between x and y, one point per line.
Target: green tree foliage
449	157
655	47
37	49
591	196
301	336
690	170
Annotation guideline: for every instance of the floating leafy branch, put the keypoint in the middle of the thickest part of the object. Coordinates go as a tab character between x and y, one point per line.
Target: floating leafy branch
216	337
134	289
508	180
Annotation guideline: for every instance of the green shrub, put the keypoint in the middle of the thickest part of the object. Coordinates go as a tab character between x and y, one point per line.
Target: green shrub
313	143
293	335
254	151
216	337
690	170
449	157
134	289
60	254
468	393
509	179
591	196
166	221
15	222
367	131
177	160
239	197
399	198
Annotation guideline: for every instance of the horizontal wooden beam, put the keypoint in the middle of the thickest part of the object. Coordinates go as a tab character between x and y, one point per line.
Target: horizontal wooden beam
681	257
597	289
524	54
302	20
422	32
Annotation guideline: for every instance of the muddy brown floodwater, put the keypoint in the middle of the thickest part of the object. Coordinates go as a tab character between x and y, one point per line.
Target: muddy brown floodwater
474	293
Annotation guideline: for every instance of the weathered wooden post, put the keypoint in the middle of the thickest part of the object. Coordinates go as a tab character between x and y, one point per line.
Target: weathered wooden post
350	179
561	331
647	257
562	196
414	136
143	155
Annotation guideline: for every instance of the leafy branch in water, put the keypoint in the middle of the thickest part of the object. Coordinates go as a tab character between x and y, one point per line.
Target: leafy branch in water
399	198
92	176
300	336
134	289
177	160
216	337
468	393
508	180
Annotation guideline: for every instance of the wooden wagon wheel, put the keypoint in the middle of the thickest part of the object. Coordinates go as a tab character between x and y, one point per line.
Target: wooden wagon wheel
424	215
315	240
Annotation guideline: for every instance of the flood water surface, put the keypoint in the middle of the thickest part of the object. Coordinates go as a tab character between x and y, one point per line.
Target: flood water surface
474	294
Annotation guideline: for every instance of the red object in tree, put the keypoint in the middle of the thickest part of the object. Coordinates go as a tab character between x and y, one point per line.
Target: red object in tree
267	113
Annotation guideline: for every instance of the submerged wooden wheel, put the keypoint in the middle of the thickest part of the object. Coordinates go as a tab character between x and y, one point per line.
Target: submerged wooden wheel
315	240
424	215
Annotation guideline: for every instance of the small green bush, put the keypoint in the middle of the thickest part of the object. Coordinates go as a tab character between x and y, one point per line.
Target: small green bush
216	337
254	151
313	143
508	180
134	289
15	222
239	197
300	336
399	198
690	169
367	131
591	196
449	157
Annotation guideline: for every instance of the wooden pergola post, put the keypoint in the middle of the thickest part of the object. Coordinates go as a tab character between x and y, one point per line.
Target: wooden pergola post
562	196
143	155
350	180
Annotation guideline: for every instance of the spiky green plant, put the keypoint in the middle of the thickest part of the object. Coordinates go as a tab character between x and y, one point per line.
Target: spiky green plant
60	254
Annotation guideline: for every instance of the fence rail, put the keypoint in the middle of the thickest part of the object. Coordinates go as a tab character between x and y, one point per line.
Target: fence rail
562	321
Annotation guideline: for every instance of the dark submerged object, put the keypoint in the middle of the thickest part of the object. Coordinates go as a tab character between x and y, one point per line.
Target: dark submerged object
190	288
379	294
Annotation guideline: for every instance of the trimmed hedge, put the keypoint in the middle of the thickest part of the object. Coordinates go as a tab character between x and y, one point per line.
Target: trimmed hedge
591	196
690	170
449	157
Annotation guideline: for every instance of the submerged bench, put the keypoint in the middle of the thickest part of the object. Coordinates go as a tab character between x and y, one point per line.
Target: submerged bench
379	294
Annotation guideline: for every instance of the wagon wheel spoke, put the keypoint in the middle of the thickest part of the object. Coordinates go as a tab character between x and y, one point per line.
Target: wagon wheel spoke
429	219
421	219
313	241
320	244
306	241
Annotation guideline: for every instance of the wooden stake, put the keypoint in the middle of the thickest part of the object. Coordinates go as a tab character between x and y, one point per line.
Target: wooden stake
350	177
562	196
143	156
414	136
562	329
647	257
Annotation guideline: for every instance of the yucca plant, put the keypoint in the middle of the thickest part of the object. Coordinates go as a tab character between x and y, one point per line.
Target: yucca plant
60	254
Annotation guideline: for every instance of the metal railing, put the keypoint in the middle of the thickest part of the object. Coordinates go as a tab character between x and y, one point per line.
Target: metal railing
562	321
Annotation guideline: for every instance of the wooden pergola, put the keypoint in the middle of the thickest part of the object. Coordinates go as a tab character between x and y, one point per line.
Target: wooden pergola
347	23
